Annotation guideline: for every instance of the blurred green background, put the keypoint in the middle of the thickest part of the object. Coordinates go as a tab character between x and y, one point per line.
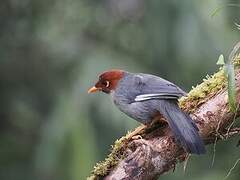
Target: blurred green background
51	52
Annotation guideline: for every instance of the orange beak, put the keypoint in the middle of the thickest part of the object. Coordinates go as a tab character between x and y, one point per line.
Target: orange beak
93	89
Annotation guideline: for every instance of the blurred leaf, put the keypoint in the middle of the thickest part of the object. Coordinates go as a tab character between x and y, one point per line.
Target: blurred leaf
231	78
217	10
221	60
231	87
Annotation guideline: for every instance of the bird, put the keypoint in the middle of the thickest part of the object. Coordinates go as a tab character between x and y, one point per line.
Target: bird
144	97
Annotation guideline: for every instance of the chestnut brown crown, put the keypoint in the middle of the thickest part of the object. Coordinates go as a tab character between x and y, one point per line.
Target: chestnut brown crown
108	81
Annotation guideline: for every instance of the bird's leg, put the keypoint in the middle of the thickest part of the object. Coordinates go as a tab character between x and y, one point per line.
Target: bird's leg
157	122
136	133
140	130
158	119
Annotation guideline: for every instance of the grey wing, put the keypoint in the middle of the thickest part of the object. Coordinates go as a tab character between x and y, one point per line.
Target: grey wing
153	87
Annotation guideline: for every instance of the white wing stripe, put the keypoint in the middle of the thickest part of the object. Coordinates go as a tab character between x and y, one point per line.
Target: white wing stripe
144	97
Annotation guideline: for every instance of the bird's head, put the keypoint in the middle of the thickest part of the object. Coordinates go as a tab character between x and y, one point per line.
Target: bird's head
107	81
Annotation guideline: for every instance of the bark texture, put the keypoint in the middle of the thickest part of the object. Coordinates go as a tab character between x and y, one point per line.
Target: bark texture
158	152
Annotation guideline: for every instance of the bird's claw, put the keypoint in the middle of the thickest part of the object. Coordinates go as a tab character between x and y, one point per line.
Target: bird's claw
136	137
135	134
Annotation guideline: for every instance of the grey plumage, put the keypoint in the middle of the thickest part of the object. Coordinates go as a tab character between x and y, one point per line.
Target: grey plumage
141	96
182	126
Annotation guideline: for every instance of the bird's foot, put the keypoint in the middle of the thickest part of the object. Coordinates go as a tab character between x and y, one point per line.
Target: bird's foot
137	137
136	133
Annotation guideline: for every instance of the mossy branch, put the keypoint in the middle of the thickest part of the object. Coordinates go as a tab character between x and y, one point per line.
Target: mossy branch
157	152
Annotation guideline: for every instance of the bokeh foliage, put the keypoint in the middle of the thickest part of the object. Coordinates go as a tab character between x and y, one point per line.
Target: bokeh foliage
51	52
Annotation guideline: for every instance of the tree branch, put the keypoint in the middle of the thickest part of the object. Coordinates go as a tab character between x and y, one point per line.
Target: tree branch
158	152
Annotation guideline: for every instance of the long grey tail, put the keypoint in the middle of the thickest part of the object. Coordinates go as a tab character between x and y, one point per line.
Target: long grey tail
183	127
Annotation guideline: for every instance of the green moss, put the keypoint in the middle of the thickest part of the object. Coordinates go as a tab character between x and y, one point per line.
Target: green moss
92	177
236	61
102	168
209	87
198	95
